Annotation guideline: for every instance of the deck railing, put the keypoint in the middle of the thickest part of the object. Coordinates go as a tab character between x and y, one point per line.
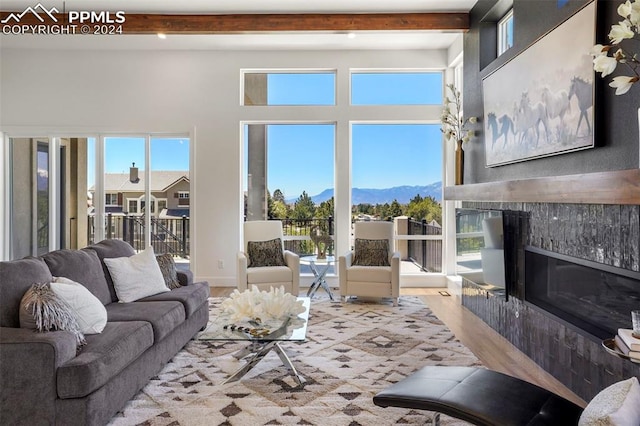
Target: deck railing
167	235
425	253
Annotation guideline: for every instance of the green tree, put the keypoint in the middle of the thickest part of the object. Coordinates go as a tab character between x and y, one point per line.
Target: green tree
395	209
325	209
304	207
278	195
279	210
425	208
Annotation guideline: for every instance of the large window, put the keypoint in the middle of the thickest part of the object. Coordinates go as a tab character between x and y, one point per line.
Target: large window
397	175
289	170
396	88
300	88
383	161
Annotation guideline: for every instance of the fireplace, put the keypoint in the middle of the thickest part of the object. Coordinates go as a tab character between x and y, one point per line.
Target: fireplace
594	298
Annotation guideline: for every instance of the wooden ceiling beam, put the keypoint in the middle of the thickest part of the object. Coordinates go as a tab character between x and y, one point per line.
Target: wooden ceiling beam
252	23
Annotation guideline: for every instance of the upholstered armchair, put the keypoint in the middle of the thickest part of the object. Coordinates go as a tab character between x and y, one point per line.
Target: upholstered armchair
373	268
264	262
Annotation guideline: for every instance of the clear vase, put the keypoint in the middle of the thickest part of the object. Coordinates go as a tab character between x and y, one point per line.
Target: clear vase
459	163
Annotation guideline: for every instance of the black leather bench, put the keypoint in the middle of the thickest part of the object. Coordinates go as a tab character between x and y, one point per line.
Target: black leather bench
479	396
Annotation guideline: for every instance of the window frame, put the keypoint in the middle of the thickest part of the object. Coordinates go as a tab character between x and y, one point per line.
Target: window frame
244	72
503	33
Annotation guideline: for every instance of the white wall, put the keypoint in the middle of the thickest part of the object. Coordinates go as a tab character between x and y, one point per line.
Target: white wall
74	92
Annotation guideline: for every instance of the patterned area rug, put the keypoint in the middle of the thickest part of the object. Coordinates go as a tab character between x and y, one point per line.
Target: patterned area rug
353	350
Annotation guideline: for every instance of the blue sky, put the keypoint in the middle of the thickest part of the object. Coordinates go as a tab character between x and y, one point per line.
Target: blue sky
301	156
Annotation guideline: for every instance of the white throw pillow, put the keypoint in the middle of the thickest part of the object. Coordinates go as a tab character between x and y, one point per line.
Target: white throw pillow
136	276
90	312
616	405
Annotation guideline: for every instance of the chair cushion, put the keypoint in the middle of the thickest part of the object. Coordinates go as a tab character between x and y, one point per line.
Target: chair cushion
104	356
16	277
479	396
269	274
265	253
371	252
163	316
374	274
82	266
191	297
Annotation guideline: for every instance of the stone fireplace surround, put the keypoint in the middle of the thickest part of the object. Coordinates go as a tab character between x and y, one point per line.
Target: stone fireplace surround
604	233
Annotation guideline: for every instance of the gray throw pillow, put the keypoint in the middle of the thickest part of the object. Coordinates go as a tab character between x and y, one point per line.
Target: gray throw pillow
168	269
371	252
43	310
265	253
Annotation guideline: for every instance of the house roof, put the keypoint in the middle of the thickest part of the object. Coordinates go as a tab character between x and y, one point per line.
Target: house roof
161	181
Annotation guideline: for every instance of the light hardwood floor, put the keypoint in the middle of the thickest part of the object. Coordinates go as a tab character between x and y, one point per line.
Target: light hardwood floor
495	352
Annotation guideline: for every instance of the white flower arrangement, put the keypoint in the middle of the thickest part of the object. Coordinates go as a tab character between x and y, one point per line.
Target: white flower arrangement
253	303
454	125
627	29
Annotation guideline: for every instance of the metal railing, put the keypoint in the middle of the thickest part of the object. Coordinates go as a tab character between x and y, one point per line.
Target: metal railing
297	234
167	235
425	253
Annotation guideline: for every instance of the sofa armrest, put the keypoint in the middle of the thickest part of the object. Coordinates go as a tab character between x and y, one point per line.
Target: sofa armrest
242	271
28	373
185	277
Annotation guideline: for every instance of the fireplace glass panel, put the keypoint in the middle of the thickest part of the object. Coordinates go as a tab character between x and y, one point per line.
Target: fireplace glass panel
593	297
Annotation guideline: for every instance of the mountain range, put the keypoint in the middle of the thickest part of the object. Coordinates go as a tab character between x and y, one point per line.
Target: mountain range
403	194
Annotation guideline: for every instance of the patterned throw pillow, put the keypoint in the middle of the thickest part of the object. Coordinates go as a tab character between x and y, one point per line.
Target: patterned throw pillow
265	253
371	252
43	310
168	269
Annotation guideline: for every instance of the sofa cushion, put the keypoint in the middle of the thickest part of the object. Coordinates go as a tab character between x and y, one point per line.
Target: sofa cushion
163	316
168	269
191	297
90	312
82	266
16	277
136	276
107	249
42	309
104	356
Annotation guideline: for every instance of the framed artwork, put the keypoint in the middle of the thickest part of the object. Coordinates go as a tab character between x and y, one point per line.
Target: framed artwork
540	103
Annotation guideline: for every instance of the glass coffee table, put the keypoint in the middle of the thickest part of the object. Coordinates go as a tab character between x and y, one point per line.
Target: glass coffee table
261	339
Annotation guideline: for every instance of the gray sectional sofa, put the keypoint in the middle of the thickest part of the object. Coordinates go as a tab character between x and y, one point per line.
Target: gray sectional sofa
43	380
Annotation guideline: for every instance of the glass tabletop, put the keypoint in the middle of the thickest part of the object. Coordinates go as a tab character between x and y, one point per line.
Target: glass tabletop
289	329
314	259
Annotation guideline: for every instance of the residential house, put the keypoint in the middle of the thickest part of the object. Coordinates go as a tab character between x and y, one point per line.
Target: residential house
126	196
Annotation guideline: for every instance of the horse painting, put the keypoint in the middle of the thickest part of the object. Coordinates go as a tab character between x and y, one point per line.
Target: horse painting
557	104
583	91
528	117
500	127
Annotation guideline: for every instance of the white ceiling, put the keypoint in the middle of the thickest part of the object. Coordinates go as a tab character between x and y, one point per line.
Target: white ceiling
282	41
